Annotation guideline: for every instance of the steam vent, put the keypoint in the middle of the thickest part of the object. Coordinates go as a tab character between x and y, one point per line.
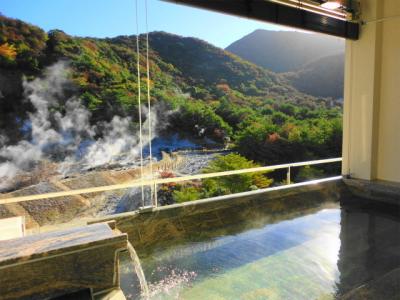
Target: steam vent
199	150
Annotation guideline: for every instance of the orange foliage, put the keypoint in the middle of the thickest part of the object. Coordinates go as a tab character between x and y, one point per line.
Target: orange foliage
288	128
90	45
144	81
273	137
115	68
166	174
223	87
8	51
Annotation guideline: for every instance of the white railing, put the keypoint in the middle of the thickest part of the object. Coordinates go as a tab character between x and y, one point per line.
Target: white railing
157	181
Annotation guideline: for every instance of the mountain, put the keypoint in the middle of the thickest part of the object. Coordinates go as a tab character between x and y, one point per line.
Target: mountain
312	63
284	51
196	88
104	71
323	77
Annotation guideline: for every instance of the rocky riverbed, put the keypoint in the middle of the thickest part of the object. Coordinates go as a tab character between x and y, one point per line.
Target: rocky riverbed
190	162
183	157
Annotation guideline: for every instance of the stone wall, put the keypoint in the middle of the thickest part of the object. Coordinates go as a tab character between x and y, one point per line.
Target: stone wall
221	215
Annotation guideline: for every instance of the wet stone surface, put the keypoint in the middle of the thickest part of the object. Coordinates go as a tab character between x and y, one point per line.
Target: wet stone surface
316	244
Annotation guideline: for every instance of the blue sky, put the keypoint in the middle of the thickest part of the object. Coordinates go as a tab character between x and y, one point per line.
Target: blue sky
108	18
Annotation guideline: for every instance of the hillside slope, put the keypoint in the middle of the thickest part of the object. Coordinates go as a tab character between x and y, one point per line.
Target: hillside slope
62	96
103	71
284	51
323	77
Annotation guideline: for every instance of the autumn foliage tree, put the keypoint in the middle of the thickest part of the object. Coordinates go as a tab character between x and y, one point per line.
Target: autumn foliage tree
8	52
209	93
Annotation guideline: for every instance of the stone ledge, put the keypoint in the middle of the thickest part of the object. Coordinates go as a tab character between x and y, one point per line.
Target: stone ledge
222	215
51	264
378	190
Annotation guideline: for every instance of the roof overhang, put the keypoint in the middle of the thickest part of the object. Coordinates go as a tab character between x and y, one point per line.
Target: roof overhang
298	14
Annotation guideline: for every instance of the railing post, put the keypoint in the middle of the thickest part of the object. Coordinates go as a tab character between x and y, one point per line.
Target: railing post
155	195
288	176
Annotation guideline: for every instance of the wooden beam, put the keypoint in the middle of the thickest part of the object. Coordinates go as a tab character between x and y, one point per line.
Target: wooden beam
277	13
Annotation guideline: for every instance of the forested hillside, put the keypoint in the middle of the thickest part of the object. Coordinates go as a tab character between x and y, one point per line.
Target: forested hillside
313	63
266	119
323	77
284	51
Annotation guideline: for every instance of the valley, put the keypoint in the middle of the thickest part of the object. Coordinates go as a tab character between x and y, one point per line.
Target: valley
69	120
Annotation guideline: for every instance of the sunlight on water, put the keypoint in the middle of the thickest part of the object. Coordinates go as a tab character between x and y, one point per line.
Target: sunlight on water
173	282
323	253
295	259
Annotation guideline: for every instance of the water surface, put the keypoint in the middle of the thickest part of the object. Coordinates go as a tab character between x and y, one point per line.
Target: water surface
315	255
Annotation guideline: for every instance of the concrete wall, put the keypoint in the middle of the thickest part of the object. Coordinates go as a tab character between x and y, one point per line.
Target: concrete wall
371	143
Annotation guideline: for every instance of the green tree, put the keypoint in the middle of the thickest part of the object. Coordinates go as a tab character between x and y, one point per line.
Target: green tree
279	118
234	183
186	193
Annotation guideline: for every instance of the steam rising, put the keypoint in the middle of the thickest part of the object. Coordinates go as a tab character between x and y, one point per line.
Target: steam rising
65	136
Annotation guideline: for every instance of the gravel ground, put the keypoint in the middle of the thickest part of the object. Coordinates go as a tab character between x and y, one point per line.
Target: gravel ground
194	163
131	200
